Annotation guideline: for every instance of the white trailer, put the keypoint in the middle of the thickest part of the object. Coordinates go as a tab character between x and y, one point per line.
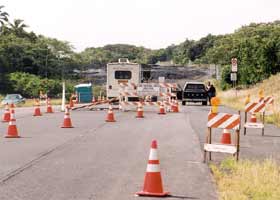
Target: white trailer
121	72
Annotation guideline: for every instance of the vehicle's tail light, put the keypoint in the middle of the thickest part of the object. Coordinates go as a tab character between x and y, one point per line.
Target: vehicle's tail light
110	87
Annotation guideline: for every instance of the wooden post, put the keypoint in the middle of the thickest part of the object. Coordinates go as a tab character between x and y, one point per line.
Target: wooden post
237	143
245	123
263	115
210	141
207	142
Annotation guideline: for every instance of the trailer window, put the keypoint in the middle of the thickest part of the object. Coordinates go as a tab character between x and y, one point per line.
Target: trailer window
122	74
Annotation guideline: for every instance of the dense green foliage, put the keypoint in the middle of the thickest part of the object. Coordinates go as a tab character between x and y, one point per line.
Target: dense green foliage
256	47
30	85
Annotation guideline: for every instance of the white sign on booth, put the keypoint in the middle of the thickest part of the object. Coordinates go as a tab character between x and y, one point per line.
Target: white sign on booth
150	89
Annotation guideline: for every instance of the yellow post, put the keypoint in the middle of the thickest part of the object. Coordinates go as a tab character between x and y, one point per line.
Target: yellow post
247	100
215	102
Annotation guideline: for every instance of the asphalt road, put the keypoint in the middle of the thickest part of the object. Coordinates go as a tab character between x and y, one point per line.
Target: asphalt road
98	160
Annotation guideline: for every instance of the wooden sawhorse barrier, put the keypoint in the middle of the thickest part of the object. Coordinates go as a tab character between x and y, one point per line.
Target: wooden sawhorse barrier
222	121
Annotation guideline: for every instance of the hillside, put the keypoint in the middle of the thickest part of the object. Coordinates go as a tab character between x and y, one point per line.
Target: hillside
271	87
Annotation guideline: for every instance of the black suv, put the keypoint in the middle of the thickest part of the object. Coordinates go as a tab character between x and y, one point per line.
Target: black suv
194	92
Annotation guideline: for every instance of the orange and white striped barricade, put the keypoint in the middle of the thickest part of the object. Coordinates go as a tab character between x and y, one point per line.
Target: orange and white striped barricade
128	85
269	105
222	121
166	91
168	85
127	90
253	108
132	105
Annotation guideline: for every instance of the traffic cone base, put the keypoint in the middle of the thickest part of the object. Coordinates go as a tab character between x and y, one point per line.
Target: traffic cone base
37	112
110	117
12	130
253	118
49	110
226	138
140	114
162	112
67	123
153	185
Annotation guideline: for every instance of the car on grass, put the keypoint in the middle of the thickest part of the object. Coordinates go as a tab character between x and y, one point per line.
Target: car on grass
13	98
194	92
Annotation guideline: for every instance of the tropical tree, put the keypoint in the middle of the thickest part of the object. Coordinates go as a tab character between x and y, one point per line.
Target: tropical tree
17	27
3	16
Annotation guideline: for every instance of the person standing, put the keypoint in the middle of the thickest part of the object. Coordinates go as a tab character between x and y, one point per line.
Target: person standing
211	92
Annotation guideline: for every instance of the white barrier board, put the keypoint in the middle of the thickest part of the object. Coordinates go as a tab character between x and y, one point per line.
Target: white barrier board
254	125
221	148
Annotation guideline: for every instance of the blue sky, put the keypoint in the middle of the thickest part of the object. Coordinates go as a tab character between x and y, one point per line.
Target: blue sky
149	23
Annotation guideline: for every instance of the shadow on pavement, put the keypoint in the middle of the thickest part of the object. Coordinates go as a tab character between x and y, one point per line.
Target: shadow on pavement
180	197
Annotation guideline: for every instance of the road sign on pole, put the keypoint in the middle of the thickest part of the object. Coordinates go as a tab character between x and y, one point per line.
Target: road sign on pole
234	64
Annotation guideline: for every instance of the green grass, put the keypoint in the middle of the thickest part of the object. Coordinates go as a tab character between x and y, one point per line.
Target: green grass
247	180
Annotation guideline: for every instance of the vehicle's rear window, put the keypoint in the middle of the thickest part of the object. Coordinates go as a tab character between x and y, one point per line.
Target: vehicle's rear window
122	74
195	86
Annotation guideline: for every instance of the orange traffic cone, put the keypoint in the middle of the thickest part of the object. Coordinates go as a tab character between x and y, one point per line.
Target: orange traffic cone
12	128
37	111
253	118
6	116
110	115
71	103
49	106
140	112
172	105
161	109
226	137
67	120
152	182
175	106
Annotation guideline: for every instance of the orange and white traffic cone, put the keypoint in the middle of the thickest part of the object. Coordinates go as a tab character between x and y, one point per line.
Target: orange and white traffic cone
93	99
71	103
110	115
253	118
153	182
6	116
37	111
161	109
175	106
140	112
172	105
12	128
49	106
226	137
67	123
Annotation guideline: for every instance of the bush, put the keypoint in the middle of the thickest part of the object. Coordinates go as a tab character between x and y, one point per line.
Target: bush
30	85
